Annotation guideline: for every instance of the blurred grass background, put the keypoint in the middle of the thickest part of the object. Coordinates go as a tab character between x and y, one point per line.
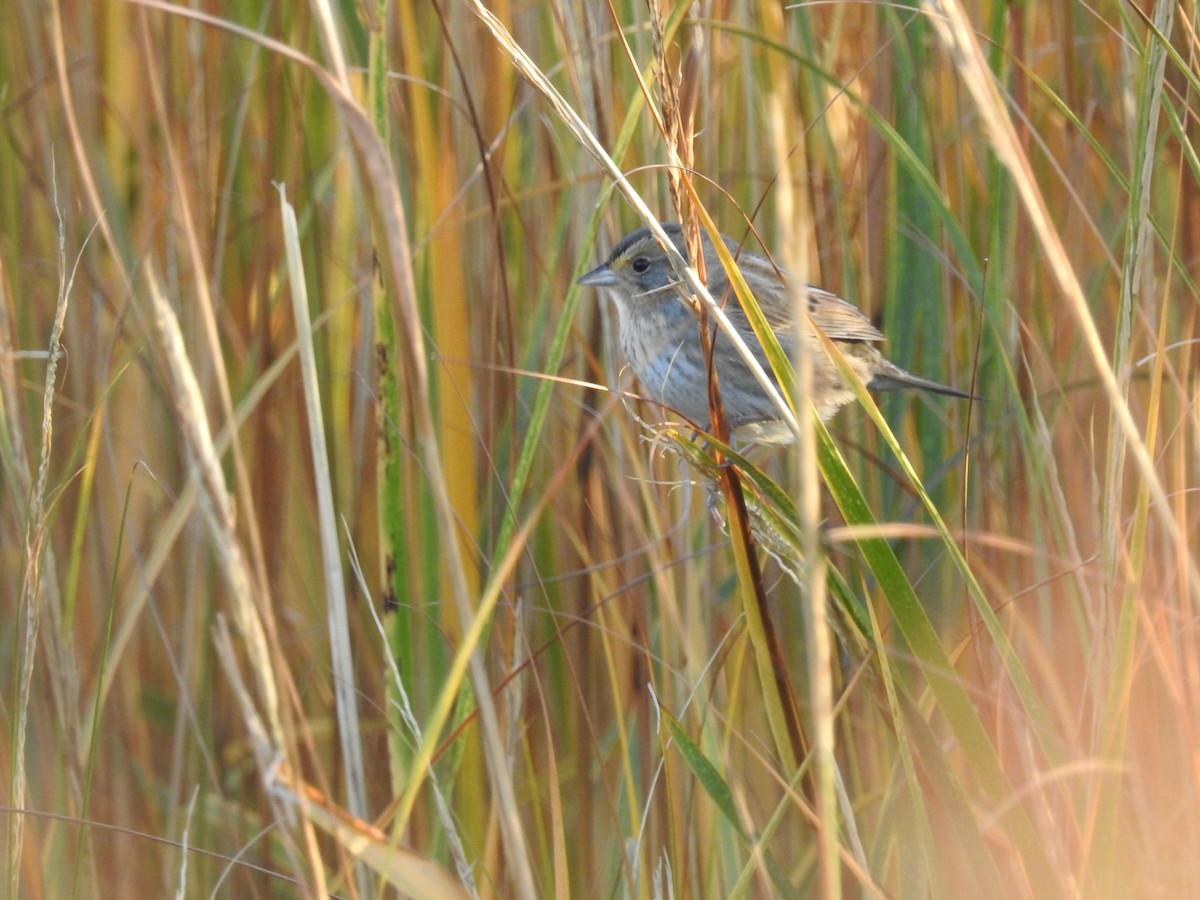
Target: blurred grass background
173	715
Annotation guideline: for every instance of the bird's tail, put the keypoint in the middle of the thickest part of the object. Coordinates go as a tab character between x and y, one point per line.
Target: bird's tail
893	378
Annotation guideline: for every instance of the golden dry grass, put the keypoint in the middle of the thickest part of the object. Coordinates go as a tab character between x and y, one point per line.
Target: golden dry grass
493	641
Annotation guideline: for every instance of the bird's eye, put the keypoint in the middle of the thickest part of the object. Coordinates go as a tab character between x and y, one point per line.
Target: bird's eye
640	265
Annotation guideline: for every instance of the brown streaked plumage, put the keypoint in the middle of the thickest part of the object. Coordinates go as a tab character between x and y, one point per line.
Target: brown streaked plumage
661	339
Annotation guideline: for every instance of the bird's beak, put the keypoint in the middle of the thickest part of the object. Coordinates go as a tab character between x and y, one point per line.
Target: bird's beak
601	276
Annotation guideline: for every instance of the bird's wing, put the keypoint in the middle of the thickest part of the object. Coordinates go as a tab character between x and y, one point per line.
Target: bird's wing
841	321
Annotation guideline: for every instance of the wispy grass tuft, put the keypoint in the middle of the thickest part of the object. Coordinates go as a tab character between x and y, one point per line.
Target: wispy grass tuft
944	649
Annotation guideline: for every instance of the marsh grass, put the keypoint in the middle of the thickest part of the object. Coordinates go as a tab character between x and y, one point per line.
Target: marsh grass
341	557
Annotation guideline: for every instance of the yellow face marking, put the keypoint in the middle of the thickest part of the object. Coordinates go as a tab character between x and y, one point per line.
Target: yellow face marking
644	248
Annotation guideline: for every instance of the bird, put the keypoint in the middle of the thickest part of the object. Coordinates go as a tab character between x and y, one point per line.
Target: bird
660	336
